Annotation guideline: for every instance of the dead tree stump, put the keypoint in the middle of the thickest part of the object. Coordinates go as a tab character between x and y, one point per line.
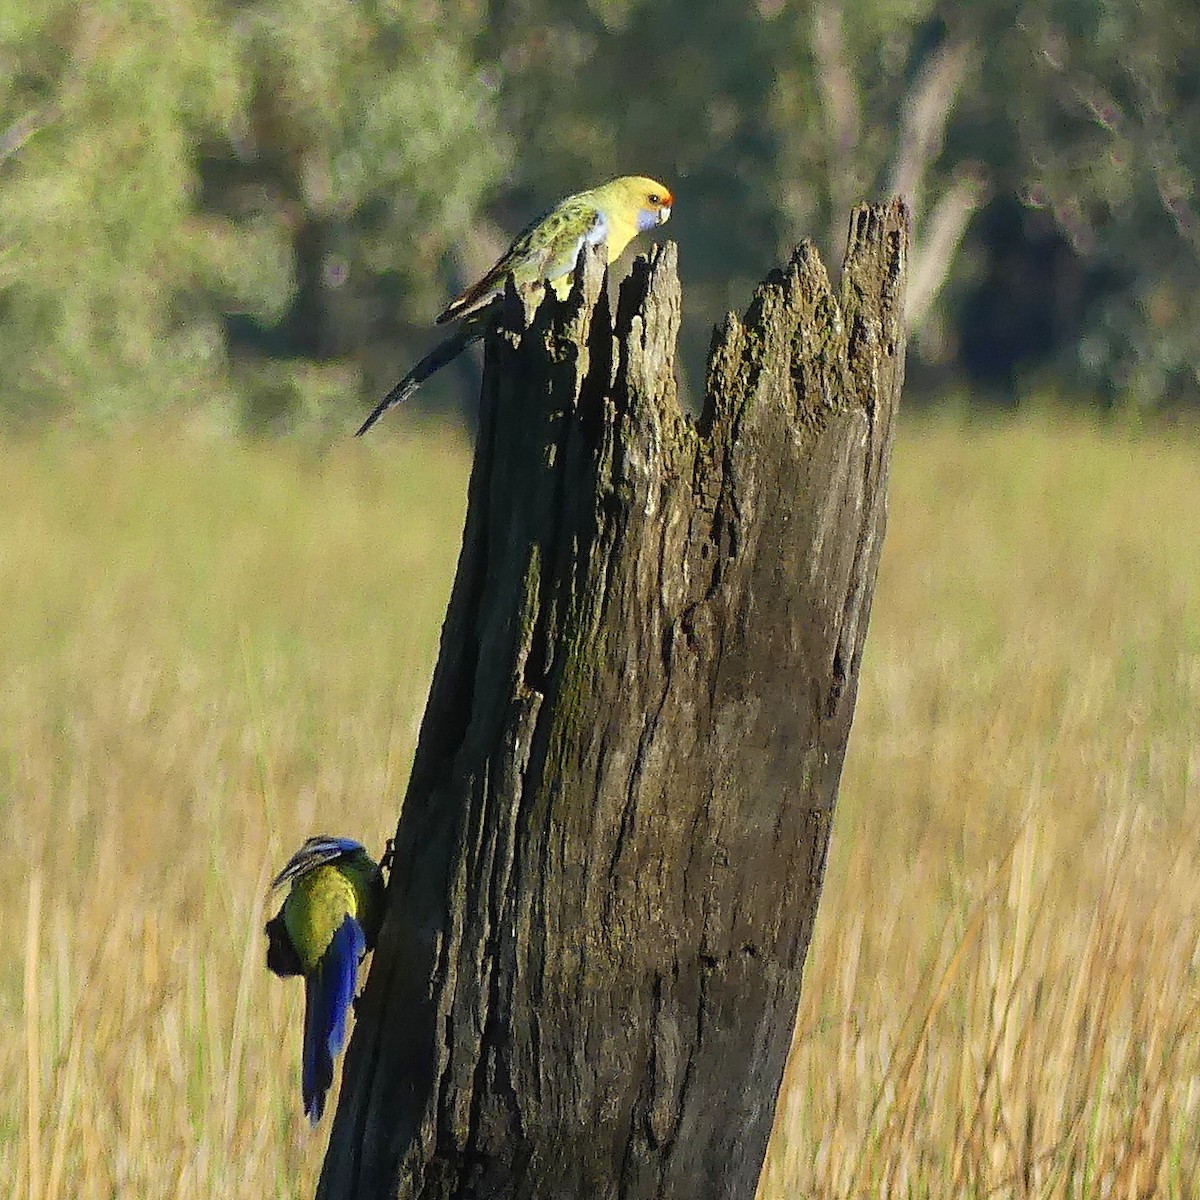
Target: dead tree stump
611	848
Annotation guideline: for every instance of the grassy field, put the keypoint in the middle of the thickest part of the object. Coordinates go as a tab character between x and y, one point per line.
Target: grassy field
208	652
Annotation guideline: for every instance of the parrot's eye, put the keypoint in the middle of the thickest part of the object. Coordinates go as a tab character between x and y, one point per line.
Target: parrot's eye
655	198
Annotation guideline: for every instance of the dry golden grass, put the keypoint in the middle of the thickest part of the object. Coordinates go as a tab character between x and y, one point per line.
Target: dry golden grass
208	652
1001	996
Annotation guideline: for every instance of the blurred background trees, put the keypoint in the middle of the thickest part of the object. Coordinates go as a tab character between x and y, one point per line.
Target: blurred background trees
243	215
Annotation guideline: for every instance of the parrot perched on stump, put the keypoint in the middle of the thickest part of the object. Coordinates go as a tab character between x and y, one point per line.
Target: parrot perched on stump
327	922
544	252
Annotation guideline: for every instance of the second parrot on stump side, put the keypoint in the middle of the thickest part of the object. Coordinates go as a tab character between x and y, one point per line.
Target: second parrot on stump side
544	252
327	922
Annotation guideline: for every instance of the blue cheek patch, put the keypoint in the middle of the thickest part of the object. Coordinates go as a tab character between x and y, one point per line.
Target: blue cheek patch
647	220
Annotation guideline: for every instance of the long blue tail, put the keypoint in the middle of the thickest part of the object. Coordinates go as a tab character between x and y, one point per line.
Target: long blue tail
329	991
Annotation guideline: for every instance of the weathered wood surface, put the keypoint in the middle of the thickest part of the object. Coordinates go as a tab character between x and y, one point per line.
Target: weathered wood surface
613	840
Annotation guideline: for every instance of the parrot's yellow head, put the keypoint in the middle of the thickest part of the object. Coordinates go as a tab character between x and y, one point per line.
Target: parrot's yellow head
654	205
647	201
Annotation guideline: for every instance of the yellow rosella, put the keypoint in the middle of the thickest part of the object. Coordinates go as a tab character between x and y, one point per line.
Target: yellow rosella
327	922
545	252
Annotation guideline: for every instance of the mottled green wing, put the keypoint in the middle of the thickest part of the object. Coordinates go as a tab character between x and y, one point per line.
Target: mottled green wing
550	247
543	250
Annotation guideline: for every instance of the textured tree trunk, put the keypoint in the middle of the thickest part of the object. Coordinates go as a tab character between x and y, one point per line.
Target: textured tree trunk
614	836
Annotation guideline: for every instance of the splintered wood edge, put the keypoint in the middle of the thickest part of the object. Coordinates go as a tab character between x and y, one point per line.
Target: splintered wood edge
864	314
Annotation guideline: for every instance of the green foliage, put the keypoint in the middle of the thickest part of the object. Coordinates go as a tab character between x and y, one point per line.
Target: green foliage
96	209
206	182
237	212
1112	154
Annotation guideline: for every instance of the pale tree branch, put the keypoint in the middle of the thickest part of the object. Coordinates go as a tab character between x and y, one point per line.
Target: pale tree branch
925	115
841	105
940	238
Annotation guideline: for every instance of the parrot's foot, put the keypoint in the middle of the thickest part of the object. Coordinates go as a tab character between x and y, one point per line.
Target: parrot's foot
389	852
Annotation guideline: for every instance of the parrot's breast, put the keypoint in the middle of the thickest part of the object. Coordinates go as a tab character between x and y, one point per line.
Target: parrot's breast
598	231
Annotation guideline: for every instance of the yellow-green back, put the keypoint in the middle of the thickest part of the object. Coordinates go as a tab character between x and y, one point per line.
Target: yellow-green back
321	900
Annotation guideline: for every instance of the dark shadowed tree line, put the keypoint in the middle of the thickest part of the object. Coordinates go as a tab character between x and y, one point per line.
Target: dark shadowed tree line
243	215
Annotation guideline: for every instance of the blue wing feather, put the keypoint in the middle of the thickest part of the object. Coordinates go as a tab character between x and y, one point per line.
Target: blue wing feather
329	992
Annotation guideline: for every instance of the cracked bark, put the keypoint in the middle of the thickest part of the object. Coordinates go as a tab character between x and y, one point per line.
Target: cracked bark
614	835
